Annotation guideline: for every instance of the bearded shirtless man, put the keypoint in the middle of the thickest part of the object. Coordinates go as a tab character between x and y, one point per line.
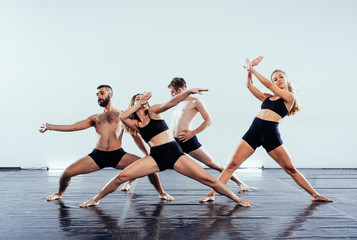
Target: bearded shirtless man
108	151
182	117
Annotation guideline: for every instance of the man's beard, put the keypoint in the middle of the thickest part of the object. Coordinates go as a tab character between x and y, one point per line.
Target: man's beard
105	102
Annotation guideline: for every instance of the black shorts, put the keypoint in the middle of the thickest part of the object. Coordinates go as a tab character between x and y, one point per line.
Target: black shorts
263	133
107	158
190	145
166	155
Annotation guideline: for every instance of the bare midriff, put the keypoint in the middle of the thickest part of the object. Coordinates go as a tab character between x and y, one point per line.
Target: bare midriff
160	139
269	115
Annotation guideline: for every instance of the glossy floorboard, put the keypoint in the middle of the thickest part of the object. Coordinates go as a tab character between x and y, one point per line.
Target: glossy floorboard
281	210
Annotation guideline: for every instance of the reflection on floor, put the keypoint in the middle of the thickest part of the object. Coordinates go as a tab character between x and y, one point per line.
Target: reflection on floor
281	210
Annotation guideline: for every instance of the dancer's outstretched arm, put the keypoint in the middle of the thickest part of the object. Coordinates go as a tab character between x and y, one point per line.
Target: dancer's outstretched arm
81	125
159	108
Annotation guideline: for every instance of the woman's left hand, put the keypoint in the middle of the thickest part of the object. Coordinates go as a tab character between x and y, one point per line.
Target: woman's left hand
257	60
145	97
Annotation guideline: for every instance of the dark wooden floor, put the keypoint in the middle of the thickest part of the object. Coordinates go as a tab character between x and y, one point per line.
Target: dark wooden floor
281	210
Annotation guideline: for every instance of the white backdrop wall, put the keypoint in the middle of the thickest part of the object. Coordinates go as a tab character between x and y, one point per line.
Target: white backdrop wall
55	53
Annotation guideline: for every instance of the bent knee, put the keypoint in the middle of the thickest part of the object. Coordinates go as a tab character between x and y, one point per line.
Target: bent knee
209	180
68	173
290	170
232	166
122	177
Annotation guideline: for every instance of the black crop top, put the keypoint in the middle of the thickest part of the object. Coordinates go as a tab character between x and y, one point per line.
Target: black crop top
276	106
153	128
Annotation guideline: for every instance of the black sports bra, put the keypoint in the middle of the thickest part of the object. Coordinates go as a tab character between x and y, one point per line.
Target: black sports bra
153	128
276	106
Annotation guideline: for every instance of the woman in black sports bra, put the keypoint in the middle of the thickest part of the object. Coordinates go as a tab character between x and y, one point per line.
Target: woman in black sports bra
165	153
264	129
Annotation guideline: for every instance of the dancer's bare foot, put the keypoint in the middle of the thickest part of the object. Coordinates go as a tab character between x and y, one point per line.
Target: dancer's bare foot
53	197
126	186
244	203
89	203
166	196
244	187
320	198
207	199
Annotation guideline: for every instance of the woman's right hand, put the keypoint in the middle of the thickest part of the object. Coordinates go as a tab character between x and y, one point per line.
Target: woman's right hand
255	62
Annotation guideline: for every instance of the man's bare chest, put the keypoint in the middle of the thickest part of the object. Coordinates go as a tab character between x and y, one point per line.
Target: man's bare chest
108	118
185	109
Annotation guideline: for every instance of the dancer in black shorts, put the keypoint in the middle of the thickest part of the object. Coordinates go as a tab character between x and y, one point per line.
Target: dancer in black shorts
264	129
165	153
107	158
108	151
189	145
181	120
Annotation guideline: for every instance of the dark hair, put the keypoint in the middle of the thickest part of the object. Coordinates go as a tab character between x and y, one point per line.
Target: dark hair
109	88
177	83
134	132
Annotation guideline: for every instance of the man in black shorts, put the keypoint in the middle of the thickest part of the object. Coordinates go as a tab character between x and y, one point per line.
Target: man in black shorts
182	117
108	151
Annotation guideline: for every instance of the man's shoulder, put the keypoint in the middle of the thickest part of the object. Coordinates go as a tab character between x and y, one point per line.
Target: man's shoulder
119	111
191	104
193	100
93	119
196	101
